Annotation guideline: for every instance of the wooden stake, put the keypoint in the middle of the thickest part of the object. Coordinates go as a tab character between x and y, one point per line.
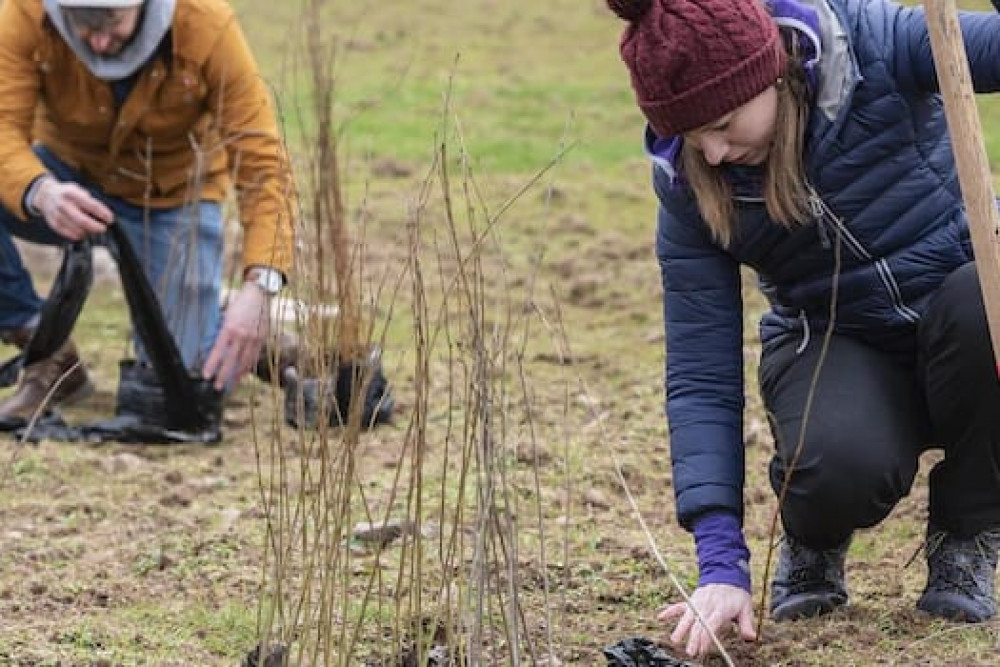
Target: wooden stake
974	176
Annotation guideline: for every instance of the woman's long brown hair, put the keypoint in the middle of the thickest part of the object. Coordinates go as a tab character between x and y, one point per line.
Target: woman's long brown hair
786	193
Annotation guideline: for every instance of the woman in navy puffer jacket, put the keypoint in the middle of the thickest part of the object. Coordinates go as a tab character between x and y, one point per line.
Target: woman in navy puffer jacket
807	140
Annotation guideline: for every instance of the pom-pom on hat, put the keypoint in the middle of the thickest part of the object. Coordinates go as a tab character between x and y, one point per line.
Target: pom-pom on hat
694	61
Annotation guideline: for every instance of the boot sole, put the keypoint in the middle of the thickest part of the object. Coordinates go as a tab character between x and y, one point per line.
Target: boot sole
954	607
807	605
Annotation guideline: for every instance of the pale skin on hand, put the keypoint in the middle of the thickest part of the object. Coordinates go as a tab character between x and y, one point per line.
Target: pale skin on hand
70	210
244	329
722	607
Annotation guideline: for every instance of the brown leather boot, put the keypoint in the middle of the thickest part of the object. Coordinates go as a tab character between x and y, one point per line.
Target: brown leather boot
62	374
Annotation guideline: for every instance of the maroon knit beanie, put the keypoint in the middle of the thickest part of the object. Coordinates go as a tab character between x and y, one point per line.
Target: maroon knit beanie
694	61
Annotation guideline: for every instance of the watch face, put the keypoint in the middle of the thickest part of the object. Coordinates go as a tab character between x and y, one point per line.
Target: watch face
270	281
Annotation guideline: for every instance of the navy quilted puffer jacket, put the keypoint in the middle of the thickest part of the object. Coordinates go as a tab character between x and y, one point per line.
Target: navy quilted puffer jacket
886	201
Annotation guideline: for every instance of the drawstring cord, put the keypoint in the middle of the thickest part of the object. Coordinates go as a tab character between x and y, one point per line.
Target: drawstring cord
806	333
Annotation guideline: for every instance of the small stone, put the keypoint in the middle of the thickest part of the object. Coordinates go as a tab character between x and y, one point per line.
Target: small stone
209	483
121	463
596	498
229	518
175	500
382	532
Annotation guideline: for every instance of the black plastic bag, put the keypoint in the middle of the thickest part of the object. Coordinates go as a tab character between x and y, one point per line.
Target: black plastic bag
59	311
10	370
141	416
58	315
64	303
640	652
186	400
164	404
275	656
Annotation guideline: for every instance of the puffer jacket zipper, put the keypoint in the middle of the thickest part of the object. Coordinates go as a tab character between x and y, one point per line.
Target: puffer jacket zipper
827	216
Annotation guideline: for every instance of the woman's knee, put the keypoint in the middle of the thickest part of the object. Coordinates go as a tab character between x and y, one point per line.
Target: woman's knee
830	494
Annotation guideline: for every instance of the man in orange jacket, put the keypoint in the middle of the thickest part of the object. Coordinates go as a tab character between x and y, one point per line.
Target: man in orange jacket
140	113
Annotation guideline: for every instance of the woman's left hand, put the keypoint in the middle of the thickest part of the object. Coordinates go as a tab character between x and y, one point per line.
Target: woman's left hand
721	606
245	327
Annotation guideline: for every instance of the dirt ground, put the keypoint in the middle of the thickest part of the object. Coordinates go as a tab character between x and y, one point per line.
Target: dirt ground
117	554
525	478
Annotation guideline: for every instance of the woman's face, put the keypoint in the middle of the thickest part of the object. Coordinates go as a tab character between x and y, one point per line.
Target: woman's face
742	136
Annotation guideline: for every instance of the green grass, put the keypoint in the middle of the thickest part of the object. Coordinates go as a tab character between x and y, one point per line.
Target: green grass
506	130
518	102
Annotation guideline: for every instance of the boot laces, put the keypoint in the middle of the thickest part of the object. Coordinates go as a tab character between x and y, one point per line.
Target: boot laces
812	565
967	565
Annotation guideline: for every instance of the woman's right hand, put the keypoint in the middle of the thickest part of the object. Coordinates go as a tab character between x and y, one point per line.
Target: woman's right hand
720	606
70	210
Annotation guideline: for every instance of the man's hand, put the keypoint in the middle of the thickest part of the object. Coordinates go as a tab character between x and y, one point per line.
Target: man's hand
720	605
71	211
244	330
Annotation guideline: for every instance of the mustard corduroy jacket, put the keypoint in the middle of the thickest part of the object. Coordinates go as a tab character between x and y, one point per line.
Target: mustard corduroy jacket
196	122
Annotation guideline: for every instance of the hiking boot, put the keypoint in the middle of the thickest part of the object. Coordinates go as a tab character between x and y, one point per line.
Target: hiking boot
63	375
279	353
807	582
961	575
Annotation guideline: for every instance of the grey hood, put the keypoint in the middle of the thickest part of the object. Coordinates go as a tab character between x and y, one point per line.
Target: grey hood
158	15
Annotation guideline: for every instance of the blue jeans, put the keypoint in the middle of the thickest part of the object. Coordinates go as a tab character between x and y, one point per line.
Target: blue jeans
180	250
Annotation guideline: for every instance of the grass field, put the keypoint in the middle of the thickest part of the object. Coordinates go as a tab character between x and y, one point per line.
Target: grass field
518	307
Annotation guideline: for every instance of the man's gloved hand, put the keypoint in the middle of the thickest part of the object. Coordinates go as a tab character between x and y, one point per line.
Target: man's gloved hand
70	210
244	329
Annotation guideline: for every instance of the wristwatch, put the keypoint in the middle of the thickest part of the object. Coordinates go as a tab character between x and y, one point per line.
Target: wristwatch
267	279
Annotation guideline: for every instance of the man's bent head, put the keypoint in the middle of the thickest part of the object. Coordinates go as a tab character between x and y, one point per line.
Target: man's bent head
105	26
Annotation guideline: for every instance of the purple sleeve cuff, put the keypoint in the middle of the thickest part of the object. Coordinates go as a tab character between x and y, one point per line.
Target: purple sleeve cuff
723	556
